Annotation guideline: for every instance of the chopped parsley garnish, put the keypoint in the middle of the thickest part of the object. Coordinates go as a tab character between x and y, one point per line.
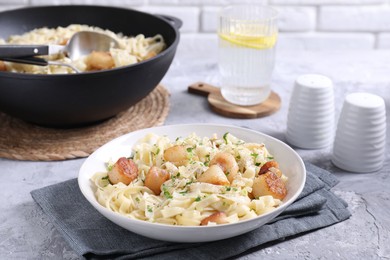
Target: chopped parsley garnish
198	198
107	180
254	155
206	163
270	157
137	199
189	149
173	177
228	188
240	142
167	194
158	151
150	209
225	137
183	192
257	164
188	183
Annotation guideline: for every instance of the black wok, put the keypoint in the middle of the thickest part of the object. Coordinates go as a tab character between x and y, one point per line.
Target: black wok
81	99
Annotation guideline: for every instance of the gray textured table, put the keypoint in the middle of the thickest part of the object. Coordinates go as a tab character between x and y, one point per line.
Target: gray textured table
26	233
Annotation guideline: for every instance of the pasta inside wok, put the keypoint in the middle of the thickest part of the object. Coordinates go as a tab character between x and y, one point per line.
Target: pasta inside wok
131	49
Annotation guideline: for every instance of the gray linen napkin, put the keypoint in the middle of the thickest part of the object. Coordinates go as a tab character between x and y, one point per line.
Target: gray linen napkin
93	236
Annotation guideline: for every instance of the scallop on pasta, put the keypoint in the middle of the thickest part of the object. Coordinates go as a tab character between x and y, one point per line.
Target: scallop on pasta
192	181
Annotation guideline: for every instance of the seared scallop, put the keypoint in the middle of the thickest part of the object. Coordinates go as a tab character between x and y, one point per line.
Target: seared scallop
124	170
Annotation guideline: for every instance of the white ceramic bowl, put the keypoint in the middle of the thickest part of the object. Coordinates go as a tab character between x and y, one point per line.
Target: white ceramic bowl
290	163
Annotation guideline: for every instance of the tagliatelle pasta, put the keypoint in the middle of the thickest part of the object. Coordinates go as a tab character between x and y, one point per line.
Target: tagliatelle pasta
201	181
131	49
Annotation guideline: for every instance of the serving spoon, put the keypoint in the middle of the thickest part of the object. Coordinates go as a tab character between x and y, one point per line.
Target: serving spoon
80	44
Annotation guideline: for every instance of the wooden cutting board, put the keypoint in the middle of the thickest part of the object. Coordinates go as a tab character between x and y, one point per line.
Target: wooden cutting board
219	105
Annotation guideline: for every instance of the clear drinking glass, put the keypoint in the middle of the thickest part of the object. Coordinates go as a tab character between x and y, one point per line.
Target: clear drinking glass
247	41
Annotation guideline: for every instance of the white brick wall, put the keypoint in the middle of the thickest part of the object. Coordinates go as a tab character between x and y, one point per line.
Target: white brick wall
384	41
356	18
88	2
297	18
290	18
209	18
13	2
303	24
189	15
326	41
9	7
326	2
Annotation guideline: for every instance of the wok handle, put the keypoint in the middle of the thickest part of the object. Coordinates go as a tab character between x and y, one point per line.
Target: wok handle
14	51
28	60
176	22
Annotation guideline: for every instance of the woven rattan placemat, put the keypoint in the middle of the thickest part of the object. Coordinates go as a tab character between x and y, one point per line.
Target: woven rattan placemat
23	141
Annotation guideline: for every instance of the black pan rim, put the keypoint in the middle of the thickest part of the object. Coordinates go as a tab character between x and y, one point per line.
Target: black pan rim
137	65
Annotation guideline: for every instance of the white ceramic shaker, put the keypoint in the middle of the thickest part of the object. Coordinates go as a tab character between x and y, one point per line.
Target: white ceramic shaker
360	140
311	116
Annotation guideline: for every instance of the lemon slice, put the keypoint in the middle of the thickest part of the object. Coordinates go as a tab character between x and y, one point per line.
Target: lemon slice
250	41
